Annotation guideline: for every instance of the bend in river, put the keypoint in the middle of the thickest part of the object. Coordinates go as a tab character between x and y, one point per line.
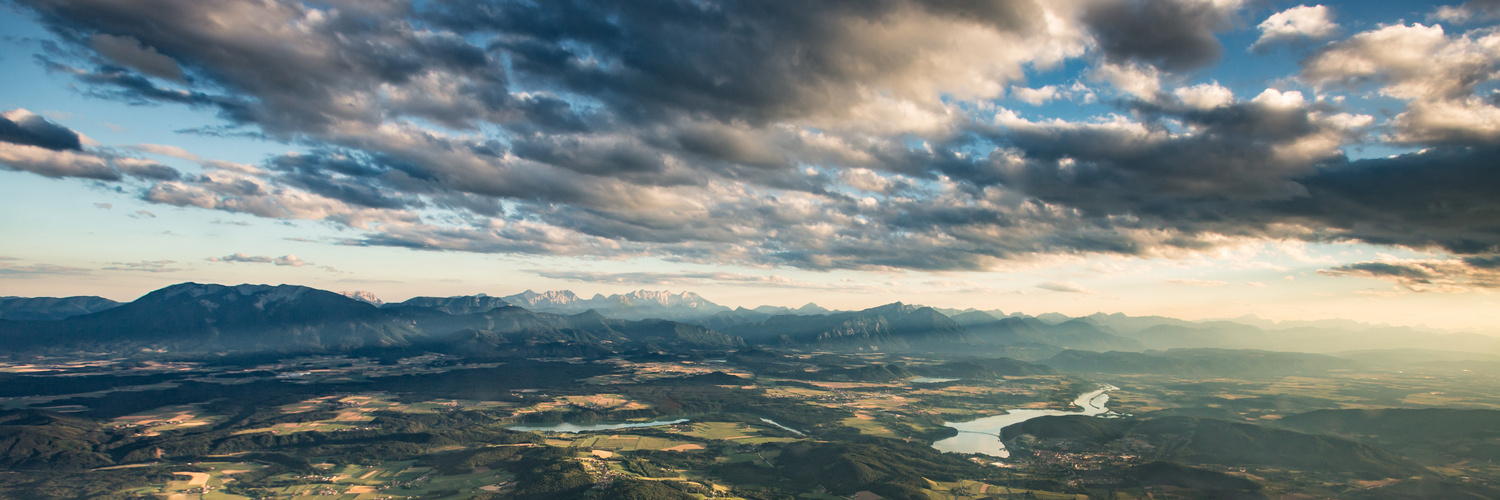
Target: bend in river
983	435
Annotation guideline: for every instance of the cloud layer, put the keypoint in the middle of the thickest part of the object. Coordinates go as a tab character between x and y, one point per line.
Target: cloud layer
834	135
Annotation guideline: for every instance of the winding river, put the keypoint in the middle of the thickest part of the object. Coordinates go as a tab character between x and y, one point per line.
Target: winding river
983	435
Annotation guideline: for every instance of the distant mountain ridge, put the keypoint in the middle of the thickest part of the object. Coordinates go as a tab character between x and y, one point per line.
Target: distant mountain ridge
462	304
894	326
205	316
193	317
51	308
639	304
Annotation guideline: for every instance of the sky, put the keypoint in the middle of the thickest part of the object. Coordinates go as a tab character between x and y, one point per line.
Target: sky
1189	158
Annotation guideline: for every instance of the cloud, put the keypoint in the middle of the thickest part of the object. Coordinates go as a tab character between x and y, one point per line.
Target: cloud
1140	80
1467	12
1248	150
674	278
1171	34
776	133
1437	75
1198	283
22	127
1064	286
165	150
240	257
147	266
129	52
1428	275
289	260
1035	96
10	269
146	169
56	164
30	143
1295	24
1205	96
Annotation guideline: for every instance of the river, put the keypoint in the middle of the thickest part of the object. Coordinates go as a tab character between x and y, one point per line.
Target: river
567	427
983	435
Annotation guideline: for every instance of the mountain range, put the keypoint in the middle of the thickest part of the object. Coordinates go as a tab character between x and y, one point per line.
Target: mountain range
245	318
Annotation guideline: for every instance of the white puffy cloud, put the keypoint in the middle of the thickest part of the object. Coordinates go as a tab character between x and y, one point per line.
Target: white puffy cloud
1035	96
1205	95
1142	81
1435	73
1297	23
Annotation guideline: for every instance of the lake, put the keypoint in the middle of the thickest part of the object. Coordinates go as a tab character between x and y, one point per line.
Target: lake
930	380
983	435
567	427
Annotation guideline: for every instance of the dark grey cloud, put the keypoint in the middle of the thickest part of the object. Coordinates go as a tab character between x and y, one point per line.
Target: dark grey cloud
1444	197
749	60
30	143
346	176
1411	273
287	68
129	52
148	170
1245	151
1427	275
1174	35
26	128
1492	262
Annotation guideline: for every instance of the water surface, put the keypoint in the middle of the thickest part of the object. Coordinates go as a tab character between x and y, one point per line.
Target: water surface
983	435
783	427
931	380
567	427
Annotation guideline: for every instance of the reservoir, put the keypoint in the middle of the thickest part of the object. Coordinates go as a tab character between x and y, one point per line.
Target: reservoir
983	435
566	427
